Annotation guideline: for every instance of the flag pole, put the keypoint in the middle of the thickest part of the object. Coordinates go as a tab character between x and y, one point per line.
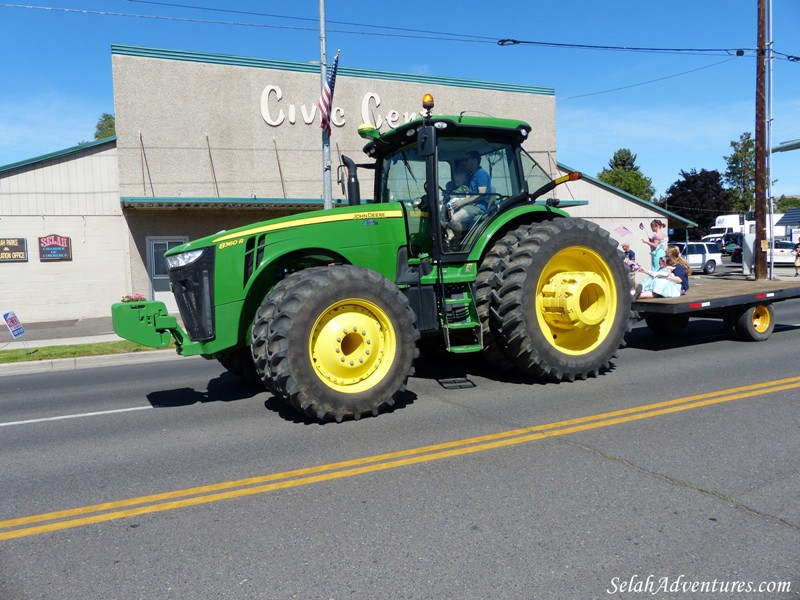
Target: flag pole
327	196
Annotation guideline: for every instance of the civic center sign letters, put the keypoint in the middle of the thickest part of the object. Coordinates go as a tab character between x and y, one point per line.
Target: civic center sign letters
272	110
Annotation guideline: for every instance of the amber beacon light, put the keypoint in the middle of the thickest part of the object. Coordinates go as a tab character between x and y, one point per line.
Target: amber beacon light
427	102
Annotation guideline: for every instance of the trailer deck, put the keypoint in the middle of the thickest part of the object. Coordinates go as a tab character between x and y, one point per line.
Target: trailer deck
720	294
745	306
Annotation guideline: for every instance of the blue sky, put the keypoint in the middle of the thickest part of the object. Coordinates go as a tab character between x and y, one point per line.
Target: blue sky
675	111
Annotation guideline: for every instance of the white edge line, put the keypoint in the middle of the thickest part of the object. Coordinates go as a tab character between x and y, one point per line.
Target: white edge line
91	414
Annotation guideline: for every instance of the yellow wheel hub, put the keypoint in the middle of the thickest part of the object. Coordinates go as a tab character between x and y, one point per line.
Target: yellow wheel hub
576	300
352	345
761	319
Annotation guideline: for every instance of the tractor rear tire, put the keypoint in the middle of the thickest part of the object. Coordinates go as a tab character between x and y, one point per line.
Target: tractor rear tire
487	284
341	342
565	301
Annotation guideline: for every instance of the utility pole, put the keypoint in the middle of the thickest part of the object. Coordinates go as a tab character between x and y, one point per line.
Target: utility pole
760	257
327	190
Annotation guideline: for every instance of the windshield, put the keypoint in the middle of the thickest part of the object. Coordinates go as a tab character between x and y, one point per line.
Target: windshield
403	173
473	173
533	173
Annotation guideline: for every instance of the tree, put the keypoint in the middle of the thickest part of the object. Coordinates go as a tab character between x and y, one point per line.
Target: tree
624	173
740	176
700	197
106	127
784	203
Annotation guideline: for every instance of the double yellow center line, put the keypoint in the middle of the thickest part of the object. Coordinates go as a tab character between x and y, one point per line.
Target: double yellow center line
109	511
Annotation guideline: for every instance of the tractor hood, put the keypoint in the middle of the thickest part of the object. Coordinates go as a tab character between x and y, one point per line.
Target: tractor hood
232	236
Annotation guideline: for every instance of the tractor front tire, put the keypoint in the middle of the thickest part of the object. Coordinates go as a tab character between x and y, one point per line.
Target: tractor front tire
239	362
341	342
260	333
565	301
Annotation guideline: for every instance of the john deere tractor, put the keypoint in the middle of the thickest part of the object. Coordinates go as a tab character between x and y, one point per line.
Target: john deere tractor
327	308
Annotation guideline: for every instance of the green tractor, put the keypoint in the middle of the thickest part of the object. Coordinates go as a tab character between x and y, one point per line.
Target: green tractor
327	308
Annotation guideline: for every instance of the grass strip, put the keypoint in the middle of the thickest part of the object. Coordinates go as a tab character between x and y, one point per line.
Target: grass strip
73	351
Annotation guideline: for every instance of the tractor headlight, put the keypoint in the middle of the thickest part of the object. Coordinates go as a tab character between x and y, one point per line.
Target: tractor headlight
184	258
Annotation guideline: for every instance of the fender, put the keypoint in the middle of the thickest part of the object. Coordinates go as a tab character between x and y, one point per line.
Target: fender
510	219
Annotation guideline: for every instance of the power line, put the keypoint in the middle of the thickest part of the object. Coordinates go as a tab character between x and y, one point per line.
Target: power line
385	31
625	87
454	37
313	20
701	51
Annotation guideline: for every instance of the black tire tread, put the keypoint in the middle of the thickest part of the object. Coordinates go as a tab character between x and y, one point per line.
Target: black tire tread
487	301
291	313
520	345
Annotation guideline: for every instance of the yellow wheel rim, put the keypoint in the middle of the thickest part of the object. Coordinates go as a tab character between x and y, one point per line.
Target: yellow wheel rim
761	319
352	345
576	300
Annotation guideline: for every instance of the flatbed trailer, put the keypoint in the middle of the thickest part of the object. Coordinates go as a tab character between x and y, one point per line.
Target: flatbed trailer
744	306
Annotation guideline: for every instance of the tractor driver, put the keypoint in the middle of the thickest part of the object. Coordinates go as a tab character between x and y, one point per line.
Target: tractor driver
468	209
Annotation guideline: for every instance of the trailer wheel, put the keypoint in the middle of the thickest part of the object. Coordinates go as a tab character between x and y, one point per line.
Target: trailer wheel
564	304
667	324
239	362
342	341
487	284
756	323
710	267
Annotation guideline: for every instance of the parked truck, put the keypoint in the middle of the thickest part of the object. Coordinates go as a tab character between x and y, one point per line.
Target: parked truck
326	308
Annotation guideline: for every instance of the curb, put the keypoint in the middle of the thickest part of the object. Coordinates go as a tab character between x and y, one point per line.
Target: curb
87	362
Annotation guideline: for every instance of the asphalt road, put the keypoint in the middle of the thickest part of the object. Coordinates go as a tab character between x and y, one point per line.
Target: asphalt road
172	480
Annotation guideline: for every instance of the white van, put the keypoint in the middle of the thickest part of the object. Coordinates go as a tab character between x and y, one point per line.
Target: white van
701	256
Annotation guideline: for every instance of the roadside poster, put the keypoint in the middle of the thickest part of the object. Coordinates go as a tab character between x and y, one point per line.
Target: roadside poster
14	325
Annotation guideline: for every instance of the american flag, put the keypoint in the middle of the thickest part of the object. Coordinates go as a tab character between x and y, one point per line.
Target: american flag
622	231
326	96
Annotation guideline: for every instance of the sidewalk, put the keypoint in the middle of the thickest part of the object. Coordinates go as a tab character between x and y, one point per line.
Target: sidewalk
72	332
60	333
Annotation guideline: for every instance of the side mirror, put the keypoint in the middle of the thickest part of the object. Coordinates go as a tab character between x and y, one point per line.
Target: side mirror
426	140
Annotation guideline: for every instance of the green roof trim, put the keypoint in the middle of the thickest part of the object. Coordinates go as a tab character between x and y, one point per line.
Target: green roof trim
629	196
214	202
162	202
57	154
307	67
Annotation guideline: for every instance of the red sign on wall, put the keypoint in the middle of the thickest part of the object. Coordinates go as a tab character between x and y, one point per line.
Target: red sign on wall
55	247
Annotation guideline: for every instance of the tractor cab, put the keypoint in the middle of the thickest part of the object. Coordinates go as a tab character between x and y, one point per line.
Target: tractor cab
452	174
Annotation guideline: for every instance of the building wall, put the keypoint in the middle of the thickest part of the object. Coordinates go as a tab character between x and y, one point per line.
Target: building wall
80	183
84	287
73	196
206	125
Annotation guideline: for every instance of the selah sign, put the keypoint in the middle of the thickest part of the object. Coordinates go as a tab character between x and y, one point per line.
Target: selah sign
55	247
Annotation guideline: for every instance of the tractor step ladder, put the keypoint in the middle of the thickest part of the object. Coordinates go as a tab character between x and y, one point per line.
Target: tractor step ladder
460	314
